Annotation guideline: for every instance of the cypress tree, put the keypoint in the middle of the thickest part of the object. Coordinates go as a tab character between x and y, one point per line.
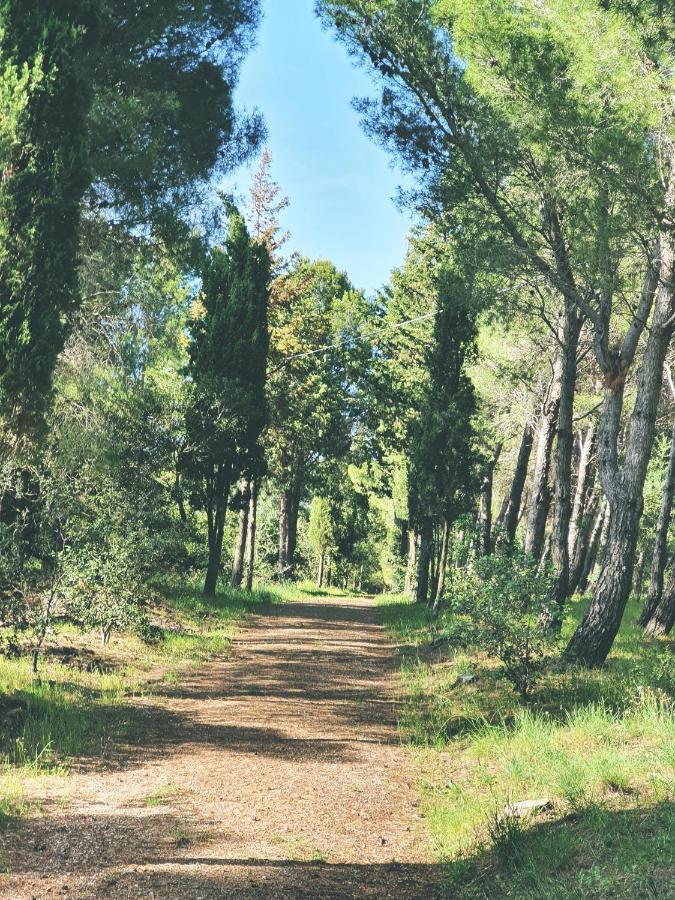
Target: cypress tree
228	359
44	171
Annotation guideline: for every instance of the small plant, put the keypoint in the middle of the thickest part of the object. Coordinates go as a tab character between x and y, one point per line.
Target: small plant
507	599
505	832
181	835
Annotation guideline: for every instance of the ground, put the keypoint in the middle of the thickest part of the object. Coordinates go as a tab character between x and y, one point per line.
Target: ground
273	772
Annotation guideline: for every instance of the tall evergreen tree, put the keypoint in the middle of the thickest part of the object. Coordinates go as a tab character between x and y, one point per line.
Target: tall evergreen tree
45	96
228	361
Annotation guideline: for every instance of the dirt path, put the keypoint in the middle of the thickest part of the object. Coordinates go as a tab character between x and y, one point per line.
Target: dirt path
273	773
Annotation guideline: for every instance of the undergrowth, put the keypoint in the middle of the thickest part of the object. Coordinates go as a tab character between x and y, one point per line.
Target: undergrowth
80	707
599	744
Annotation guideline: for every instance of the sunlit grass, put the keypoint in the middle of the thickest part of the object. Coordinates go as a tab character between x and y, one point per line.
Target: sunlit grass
81	708
600	745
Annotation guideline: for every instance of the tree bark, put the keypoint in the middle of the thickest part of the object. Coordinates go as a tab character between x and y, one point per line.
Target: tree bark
594	544
486	503
562	507
639	575
409	588
540	495
511	517
292	532
584	486
663	617
322	563
661	542
251	537
283	535
242	534
216	530
443	564
623	485
178	495
424	560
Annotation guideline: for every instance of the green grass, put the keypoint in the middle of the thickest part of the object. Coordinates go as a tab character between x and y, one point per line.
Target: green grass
599	744
70	713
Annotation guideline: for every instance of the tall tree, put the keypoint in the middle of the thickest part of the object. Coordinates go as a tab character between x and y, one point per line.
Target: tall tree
475	92
228	361
45	96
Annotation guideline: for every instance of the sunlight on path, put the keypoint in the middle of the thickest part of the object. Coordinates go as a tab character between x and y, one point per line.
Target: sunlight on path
273	773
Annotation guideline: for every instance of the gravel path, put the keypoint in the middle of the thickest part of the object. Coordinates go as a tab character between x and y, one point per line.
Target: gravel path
273	773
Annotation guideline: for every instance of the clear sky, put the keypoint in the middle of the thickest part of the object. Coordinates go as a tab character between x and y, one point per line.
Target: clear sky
340	184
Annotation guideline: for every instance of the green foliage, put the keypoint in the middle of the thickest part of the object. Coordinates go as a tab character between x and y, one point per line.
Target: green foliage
507	601
163	123
228	362
321	524
44	171
228	356
598	744
105	586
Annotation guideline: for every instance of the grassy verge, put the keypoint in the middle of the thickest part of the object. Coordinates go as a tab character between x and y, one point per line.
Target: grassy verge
82	702
599	745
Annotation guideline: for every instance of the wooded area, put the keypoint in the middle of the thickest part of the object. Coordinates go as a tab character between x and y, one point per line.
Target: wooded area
187	405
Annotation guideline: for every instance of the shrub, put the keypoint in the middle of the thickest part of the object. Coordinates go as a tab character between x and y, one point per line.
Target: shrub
508	601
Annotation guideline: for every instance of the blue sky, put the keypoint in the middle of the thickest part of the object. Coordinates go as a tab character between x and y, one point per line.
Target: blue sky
340	184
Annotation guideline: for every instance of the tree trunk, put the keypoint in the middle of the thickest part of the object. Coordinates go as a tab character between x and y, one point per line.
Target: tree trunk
582	543
283	534
216	517
292	531
433	566
178	495
424	560
594	544
562	507
409	588
579	526
661	542
623	485
242	534
663	617
584	483
639	576
251	537
485	517
540	496
322	563
511	517
443	564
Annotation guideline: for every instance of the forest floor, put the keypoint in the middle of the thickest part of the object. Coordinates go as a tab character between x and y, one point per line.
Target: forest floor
272	771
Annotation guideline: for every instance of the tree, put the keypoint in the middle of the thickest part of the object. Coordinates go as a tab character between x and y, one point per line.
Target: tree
317	356
45	95
475	93
321	532
266	203
163	122
228	360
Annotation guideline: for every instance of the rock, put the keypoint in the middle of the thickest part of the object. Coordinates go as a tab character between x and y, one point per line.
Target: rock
526	808
466	679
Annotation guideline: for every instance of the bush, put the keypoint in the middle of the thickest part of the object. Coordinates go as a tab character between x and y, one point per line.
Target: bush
508	601
105	588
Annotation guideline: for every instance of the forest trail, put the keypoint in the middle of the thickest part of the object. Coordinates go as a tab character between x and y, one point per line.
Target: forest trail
275	772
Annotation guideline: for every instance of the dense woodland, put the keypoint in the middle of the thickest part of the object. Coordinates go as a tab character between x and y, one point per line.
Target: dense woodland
178	395
182	398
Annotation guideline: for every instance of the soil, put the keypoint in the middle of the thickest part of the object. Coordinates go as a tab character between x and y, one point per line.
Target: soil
274	773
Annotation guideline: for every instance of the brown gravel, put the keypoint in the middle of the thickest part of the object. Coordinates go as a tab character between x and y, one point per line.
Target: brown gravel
273	773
